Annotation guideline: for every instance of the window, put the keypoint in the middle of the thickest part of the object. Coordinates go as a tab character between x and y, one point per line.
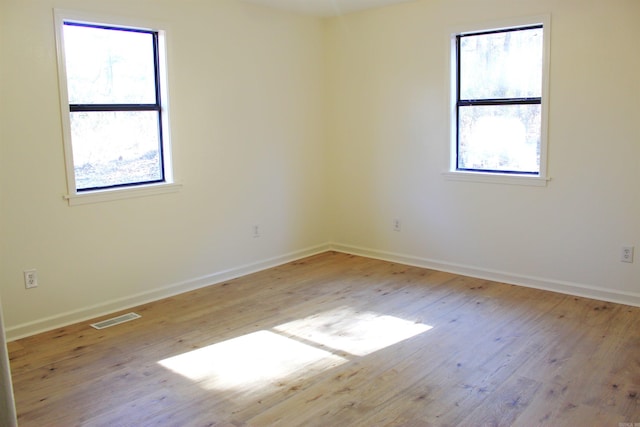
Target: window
114	115
499	101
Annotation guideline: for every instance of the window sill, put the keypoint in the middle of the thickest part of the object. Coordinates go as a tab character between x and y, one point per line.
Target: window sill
496	178
120	193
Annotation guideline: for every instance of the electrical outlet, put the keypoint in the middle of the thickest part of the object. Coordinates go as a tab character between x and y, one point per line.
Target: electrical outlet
30	279
627	254
396	224
256	231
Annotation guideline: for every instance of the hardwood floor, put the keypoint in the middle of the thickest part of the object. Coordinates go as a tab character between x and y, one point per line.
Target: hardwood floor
339	340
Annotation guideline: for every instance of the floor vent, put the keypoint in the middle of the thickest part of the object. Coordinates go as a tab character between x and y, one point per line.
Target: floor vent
116	320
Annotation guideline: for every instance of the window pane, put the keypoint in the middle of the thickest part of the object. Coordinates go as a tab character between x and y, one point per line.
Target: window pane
500	138
106	66
501	65
115	148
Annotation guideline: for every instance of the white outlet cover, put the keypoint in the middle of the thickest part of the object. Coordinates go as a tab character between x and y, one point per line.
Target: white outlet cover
30	279
627	254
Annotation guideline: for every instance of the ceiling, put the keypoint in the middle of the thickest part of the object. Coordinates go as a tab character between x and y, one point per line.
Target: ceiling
325	7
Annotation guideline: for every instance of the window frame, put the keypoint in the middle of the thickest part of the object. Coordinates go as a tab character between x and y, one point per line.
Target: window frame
497	176
119	191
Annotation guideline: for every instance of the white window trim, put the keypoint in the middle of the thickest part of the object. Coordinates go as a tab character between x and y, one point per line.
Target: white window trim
73	196
99	196
452	173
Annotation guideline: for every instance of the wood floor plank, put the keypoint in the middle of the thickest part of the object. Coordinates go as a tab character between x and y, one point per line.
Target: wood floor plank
477	364
337	339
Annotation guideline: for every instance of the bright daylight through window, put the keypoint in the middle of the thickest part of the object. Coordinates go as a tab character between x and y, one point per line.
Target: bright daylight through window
115	135
499	101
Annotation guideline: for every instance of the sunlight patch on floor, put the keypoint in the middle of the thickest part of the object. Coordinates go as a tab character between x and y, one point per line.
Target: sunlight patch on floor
355	332
294	350
250	361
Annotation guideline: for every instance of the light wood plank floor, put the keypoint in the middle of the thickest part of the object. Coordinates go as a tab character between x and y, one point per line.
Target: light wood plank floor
340	340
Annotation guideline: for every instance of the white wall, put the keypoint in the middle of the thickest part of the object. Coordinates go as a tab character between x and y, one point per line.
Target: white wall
246	93
320	131
389	140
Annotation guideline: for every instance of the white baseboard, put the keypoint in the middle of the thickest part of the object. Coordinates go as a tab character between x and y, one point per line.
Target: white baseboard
91	312
576	289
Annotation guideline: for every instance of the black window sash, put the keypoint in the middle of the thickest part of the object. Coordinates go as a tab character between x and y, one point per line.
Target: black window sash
74	108
488	101
157	106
